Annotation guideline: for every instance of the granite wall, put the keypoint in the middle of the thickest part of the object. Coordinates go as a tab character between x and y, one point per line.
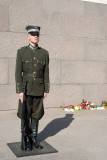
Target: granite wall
75	34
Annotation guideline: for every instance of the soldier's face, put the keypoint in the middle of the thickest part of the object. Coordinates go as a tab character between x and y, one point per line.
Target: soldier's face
33	39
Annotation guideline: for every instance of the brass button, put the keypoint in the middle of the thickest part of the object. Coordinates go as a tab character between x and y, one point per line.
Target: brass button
34	74
34	65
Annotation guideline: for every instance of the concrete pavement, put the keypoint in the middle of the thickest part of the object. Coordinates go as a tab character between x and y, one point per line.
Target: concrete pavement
81	135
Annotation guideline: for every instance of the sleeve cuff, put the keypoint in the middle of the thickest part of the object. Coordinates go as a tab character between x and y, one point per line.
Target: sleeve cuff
47	87
19	87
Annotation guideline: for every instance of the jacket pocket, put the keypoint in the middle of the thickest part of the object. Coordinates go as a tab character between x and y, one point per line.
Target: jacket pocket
27	64
41	61
27	60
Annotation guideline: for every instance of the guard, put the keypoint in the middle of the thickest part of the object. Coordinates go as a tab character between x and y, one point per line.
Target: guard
32	68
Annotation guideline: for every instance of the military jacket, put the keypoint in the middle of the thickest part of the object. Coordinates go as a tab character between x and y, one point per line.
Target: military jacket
34	63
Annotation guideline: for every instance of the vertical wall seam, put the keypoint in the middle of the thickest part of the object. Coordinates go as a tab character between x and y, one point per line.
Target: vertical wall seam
8	70
84	8
60	71
83	85
83	90
105	72
8	19
105	27
61	24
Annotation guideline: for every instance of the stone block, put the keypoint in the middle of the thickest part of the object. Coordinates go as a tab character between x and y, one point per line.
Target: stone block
94	72
95	50
106	72
83	26
22	2
49	21
3	17
6	2
9	99
72	72
63	95
72	48
95	93
106	28
3	71
95	9
65	6
12	65
10	42
82	72
55	71
52	44
94	27
66	48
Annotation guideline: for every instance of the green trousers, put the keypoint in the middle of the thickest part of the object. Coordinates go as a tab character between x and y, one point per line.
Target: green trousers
35	107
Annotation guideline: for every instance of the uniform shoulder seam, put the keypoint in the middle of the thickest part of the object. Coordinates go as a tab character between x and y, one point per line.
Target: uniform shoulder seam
44	50
21	48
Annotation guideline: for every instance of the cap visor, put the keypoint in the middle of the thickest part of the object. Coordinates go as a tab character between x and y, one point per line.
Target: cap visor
32	33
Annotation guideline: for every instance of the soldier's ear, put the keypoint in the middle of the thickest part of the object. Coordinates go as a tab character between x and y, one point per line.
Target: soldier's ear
28	37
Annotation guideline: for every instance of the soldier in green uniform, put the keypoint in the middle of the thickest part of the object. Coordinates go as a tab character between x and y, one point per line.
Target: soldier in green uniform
32	66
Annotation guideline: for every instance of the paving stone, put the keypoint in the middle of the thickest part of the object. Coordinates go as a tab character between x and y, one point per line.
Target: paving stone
65	131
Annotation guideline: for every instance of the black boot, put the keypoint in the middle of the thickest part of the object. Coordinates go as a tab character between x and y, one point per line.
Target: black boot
26	138
34	128
28	131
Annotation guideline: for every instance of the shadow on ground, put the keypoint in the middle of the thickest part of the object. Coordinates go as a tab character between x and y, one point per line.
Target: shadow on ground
55	126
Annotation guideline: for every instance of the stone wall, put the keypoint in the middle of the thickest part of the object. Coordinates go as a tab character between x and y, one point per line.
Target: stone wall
75	34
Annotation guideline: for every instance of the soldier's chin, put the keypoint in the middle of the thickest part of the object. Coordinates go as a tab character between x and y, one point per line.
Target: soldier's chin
36	40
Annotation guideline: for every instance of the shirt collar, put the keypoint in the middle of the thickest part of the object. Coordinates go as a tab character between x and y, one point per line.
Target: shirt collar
33	48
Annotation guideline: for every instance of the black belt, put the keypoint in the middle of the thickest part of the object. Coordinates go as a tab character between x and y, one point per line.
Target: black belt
34	75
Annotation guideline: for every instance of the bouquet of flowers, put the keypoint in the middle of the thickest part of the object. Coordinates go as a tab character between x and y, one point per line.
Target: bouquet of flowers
104	103
87	105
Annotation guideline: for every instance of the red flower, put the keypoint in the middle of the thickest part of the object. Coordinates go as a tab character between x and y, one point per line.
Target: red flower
83	105
89	102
